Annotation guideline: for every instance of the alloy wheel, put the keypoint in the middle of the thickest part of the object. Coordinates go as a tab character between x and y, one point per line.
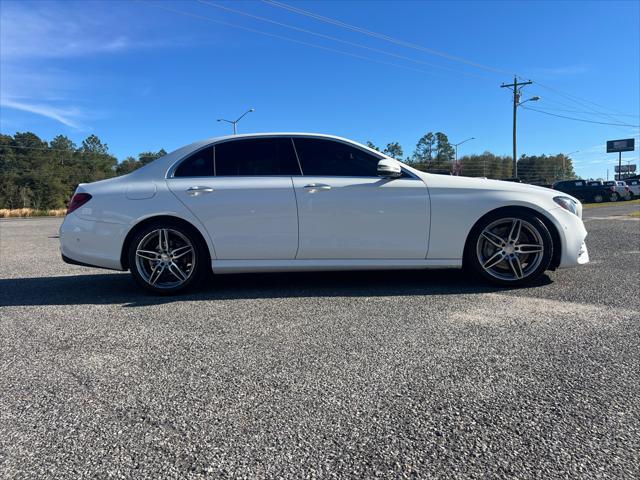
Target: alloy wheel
165	258
510	249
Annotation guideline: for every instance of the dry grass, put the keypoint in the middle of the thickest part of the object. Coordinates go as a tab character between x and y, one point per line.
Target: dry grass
635	214
31	212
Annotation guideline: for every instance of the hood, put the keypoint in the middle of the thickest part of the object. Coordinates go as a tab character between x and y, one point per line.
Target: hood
475	183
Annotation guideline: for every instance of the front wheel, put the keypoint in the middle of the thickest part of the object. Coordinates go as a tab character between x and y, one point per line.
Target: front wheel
598	198
510	250
166	258
614	197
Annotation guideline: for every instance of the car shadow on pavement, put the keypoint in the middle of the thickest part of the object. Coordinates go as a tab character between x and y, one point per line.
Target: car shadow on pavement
119	288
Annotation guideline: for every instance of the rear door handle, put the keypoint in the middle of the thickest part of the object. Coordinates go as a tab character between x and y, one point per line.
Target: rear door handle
317	186
195	191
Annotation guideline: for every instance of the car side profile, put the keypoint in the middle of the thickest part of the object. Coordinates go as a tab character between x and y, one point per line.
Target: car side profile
280	202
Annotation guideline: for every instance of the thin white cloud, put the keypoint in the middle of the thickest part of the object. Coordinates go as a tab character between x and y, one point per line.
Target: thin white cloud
65	116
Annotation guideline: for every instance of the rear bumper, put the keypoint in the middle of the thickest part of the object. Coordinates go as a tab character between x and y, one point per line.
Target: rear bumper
91	243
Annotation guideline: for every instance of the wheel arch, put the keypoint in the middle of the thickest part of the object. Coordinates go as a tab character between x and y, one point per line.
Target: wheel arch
553	230
124	257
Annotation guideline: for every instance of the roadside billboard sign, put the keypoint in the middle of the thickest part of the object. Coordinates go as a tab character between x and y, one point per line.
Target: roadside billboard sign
624	145
625	168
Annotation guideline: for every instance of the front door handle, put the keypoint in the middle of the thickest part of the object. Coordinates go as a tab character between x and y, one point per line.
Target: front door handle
195	191
317	186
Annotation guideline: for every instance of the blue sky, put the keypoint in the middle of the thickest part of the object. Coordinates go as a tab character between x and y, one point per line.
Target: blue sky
144	75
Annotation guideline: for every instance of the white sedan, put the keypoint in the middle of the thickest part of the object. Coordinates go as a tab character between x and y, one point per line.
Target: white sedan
301	202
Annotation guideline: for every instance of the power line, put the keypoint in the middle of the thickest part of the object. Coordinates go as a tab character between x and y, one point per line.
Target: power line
578	99
336	39
581	119
281	37
406	44
382	36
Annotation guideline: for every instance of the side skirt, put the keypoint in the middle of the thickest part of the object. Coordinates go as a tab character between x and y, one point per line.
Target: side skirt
255	266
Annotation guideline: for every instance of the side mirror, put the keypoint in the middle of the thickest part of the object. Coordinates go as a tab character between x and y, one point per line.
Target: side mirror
389	168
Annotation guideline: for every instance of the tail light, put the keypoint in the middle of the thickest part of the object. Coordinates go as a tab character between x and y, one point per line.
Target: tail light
613	189
77	201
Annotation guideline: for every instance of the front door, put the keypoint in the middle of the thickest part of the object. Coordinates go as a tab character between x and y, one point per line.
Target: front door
346	211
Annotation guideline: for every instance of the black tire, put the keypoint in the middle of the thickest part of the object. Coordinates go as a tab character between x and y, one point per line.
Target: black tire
614	197
530	268
598	198
193	266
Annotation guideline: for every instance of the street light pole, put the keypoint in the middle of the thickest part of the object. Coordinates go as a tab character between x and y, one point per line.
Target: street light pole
460	143
234	123
564	168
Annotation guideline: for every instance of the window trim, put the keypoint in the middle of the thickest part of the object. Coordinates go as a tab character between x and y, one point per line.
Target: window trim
172	169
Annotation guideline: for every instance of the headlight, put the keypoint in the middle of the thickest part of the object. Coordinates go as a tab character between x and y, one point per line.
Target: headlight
568	204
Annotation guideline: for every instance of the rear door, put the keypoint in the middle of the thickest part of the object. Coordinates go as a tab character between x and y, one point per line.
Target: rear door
346	211
241	190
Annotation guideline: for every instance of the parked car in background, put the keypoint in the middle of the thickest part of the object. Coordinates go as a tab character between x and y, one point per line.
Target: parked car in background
309	202
585	191
634	187
620	190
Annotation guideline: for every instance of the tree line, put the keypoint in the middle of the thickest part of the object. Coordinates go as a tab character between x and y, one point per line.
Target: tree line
434	153
38	174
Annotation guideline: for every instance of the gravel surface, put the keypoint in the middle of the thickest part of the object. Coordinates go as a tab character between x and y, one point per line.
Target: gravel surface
332	375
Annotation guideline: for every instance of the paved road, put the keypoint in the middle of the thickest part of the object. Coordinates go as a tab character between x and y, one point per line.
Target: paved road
421	374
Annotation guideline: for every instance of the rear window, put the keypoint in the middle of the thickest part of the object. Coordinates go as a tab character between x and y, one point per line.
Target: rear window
256	156
198	164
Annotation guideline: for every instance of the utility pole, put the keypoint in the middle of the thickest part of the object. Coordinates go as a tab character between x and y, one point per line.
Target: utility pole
516	87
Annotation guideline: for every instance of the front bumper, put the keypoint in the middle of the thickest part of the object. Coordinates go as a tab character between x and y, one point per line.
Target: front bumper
572	236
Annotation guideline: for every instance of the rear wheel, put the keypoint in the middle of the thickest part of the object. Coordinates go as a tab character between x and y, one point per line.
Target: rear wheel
598	198
510	249
166	258
614	197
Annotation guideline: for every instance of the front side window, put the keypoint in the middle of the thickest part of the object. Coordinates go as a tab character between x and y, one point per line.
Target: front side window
320	157
256	156
198	164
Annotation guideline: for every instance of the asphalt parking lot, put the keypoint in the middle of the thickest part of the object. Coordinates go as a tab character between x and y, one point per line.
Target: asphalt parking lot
390	374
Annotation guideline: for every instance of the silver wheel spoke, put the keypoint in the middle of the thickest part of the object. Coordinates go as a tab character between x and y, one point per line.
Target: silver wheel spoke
177	272
516	266
148	254
493	260
529	248
514	234
163	240
493	238
155	274
181	251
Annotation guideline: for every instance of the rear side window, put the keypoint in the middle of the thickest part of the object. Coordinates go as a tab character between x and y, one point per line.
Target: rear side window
320	157
256	156
198	164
